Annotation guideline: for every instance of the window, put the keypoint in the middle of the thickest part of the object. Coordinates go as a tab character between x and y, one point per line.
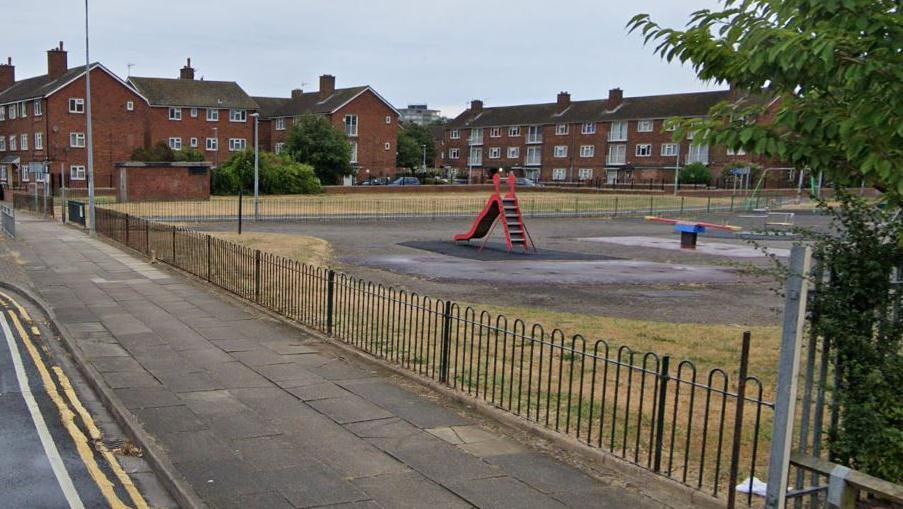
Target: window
534	134
212	115
13	111
454	153
455	134
77	172
39	141
669	149
280	147
354	152
37	107
3	172
23	109
561	151
175	113
644	150
193	143
644	126
513	152
238	116
476	156
559	174
212	144
24	171
280	124
388	146
534	156
585	174
388	119
351	125
587	150
617	154
2	144
12	143
618	131
514	131
588	128
476	136
561	129
738	152
129	106
495	132
495	153
237	144
23	144
175	143
194	113
2	113
690	135
698	154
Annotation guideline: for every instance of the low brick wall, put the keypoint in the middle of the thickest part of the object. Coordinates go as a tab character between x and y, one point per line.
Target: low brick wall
163	181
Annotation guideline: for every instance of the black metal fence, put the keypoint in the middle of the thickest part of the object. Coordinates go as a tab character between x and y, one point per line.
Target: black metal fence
34	202
679	421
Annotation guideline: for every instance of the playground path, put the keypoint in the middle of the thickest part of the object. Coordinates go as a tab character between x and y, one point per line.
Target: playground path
253	413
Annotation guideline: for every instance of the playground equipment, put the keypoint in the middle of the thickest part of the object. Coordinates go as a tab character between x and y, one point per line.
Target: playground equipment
690	230
506	208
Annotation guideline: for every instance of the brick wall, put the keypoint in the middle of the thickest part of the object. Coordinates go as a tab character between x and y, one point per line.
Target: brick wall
374	133
164	181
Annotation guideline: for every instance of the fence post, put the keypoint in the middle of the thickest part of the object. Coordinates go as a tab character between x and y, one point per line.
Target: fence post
732	203
147	237
208	258
788	375
257	276
708	204
738	421
616	206
330	293
173	244
664	376
446	343
127	230
681	204
651	204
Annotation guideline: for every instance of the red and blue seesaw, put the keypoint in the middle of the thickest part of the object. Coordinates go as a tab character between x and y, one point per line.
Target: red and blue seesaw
689	230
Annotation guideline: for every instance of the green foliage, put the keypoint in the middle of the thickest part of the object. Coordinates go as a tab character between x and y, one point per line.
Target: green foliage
834	66
279	174
695	173
162	153
861	314
411	139
314	141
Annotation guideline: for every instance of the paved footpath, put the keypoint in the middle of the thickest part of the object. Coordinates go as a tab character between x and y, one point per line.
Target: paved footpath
254	413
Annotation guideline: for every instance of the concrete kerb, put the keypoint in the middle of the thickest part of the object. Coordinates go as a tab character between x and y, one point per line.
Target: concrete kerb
159	461
666	491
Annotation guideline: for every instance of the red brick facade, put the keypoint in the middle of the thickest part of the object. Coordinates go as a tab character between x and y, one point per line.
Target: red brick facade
163	181
194	127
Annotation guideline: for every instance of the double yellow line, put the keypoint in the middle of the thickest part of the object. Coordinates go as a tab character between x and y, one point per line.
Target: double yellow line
68	416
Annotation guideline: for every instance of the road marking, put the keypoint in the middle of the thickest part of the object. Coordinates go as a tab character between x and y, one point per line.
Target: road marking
50	450
67	416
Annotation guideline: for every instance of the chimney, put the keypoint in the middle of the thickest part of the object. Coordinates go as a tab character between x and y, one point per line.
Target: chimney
327	86
615	98
57	62
476	106
187	72
7	74
297	93
564	101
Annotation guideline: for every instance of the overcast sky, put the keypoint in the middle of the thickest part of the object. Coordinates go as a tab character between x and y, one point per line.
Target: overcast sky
410	51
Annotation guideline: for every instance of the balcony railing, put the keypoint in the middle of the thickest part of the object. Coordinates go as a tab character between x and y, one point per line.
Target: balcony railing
534	138
615	160
475	161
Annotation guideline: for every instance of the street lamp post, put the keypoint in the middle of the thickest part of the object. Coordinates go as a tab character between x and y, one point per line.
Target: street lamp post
423	146
89	138
256	116
677	170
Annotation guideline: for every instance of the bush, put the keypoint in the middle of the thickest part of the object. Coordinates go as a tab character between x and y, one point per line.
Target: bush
279	174
695	173
161	153
314	141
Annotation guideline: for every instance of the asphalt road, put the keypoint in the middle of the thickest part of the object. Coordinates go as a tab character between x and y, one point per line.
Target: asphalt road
48	453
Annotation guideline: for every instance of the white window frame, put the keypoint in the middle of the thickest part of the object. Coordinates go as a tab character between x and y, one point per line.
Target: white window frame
23	109
645	126
738	152
514	131
698	153
617	154
211	144
536	159
584	174
212	115
2	113
351	125
534	134
513	152
77	140
618	131
175	113
643	150
194	113
495	153
454	153
280	124
588	128
76	172
495	132
193	142
130	106
454	134
76	105
238	115
388	146
476	136
559	174
388	119
561	151
3	172
175	143
23	142
669	150
2	143
238	144
12	143
279	147
587	151
476	156
561	129
353	152
39	141
37	107
23	170
13	111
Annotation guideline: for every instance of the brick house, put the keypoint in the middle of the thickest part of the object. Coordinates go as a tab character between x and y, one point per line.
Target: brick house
43	124
212	117
614	140
369	121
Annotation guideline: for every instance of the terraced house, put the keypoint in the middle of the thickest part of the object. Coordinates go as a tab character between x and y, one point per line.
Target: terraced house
614	140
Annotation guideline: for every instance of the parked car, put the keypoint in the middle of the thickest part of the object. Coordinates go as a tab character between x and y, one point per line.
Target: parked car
406	181
525	182
380	181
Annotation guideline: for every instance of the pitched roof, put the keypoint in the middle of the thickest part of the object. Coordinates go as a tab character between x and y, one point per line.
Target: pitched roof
655	106
307	103
193	93
39	86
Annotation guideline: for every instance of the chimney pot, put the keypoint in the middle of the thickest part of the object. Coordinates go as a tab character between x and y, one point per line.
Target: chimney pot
187	72
476	106
57	62
297	93
327	86
615	98
564	101
7	74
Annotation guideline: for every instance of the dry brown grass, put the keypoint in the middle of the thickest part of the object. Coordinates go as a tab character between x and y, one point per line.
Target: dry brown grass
309	250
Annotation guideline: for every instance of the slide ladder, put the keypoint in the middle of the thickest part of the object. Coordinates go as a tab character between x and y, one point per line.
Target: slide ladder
504	209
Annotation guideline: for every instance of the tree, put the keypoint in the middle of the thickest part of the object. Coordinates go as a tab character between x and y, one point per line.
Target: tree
278	174
411	139
316	142
695	173
834	66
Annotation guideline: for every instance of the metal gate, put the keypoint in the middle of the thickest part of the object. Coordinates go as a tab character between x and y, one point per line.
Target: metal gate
8	220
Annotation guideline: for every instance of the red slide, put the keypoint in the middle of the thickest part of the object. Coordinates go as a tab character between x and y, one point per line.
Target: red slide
508	209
